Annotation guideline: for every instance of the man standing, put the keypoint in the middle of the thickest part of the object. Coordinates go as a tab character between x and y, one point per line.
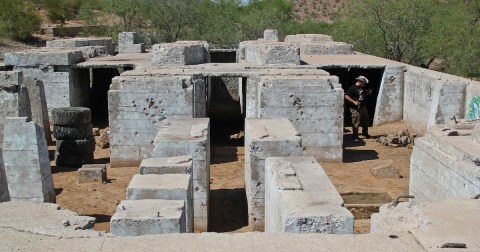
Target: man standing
355	97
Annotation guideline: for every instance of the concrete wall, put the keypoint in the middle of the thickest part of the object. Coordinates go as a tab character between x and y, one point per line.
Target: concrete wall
389	107
27	165
138	106
265	52
314	105
4	194
299	198
432	98
443	166
265	138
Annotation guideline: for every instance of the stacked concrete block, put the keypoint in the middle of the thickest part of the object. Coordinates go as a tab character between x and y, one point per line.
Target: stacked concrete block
299	198
4	194
128	43
433	224
166	187
92	173
444	164
64	85
326	48
149	216
265	138
265	52
181	53
314	105
138	107
27	165
190	136
270	34
99	45
167	165
14	98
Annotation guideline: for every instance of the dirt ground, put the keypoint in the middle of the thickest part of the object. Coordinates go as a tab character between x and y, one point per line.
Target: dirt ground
228	211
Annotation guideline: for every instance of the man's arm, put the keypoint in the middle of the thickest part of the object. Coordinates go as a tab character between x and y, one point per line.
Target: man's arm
348	98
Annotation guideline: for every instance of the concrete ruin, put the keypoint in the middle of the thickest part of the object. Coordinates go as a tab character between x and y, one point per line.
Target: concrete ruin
289	95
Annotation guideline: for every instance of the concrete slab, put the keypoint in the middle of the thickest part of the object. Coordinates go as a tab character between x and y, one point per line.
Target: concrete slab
180	53
44	57
167	165
148	216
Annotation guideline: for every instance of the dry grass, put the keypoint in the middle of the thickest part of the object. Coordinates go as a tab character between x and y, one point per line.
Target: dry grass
317	9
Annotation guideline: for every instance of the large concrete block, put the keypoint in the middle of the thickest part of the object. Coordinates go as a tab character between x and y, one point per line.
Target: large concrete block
180	53
305	38
299	198
27	164
44	57
128	43
189	136
270	34
265	138
38	104
4	194
92	173
149	216
389	107
268	52
165	186
167	165
106	43
326	48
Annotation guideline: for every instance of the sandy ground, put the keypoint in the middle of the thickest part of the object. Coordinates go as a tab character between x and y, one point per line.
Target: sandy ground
228	202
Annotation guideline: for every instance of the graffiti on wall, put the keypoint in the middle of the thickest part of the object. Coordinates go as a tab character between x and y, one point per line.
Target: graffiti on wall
474	108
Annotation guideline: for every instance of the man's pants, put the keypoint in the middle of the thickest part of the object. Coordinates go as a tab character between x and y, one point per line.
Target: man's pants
360	119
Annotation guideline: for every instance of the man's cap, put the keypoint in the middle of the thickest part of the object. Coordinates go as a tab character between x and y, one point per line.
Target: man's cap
362	79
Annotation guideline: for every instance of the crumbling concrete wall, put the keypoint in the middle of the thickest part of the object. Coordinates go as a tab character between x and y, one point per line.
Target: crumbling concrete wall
389	107
138	106
314	105
432	98
265	138
14	98
27	165
445	164
299	198
64	85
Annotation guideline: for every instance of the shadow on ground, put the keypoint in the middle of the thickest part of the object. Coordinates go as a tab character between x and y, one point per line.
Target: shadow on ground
228	210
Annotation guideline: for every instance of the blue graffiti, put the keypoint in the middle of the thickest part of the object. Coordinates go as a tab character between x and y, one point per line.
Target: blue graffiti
474	108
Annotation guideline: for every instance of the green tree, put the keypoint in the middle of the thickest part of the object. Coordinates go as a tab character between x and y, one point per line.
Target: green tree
18	19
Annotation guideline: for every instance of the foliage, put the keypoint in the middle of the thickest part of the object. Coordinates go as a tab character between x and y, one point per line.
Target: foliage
18	19
59	11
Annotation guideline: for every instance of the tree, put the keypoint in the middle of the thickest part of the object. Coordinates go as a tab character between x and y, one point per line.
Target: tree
18	19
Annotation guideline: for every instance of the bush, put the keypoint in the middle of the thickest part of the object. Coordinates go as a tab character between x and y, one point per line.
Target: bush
18	19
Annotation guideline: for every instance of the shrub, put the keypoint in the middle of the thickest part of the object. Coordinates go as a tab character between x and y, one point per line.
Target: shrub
18	19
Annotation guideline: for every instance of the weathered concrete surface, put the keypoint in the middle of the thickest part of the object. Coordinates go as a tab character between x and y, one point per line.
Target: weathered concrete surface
265	52
101	45
44	57
148	216
4	194
190	136
265	138
302	38
299	198
45	219
389	107
14	98
91	173
181	53
384	169
270	34
314	105
27	165
138	107
166	187
444	165
433	223
38	104
167	165
128	43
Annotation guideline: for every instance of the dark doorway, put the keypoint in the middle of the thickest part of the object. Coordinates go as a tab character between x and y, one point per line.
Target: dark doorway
347	78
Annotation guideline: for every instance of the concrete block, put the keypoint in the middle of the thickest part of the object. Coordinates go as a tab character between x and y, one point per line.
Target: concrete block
128	43
270	34
384	169
265	138
299	198
27	162
305	38
201	214
106	43
326	48
476	133
167	187
4	194
149	216
44	57
331	154
167	165
92	173
38	104
180	53
268	52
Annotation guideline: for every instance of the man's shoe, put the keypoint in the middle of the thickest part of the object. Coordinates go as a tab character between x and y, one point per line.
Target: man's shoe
368	137
355	140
